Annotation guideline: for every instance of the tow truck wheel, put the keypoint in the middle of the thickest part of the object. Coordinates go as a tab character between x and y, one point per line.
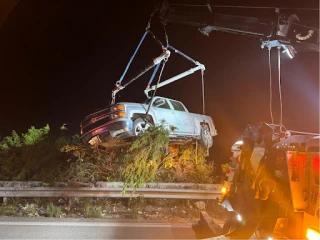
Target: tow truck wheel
205	137
140	126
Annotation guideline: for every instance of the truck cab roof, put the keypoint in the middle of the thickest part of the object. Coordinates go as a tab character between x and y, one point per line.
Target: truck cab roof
171	103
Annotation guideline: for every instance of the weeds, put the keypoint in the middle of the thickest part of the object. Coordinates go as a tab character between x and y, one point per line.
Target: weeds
92	211
135	205
146	154
37	155
8	210
30	210
53	211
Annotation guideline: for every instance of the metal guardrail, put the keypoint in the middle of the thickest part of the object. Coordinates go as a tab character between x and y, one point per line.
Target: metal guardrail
174	192
108	192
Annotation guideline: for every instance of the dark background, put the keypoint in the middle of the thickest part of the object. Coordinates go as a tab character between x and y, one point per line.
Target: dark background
60	60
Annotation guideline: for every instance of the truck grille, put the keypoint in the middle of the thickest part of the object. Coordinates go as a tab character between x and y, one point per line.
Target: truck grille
87	120
96	124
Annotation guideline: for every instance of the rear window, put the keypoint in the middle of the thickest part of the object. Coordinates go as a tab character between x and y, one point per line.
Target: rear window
177	106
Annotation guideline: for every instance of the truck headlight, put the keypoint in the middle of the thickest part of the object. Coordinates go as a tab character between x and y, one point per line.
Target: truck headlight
117	107
118	115
312	234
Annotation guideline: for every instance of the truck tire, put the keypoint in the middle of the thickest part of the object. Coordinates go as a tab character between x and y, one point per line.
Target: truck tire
205	139
140	126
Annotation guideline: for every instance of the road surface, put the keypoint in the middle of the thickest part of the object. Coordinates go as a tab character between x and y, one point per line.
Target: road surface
52	228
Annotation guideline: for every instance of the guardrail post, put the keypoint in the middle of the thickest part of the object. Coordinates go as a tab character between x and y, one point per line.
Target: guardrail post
70	202
4	201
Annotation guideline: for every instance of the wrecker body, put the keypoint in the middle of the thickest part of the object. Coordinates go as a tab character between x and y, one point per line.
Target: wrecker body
273	191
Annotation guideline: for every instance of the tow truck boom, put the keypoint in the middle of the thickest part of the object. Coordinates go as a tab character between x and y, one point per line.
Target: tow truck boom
279	30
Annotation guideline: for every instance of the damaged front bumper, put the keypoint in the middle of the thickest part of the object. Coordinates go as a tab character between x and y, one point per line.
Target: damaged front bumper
119	129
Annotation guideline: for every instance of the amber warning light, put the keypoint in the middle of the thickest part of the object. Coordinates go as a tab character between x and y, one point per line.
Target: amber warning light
312	234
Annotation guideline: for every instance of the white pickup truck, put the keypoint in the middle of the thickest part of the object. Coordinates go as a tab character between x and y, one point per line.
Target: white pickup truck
125	120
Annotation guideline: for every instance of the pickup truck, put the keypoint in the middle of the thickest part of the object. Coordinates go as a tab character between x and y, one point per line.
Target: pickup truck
126	120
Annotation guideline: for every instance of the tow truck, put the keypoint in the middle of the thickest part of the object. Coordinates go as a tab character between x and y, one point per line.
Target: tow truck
272	188
273	192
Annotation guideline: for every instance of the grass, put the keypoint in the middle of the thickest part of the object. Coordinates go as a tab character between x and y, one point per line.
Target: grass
92	211
30	210
53	211
8	210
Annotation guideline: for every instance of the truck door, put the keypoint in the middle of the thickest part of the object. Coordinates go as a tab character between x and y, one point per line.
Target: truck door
162	111
184	120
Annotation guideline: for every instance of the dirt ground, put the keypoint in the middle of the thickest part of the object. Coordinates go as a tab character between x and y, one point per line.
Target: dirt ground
136	208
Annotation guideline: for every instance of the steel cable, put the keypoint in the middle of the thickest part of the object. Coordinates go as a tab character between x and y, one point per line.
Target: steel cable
203	102
270	87
155	90
279	81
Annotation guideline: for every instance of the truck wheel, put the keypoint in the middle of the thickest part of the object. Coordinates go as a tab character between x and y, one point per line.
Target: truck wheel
140	126
205	137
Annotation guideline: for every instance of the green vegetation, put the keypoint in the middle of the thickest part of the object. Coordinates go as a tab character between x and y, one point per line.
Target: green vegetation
225	167
8	210
92	164
136	204
30	210
187	164
92	211
145	156
39	155
53	211
34	155
32	137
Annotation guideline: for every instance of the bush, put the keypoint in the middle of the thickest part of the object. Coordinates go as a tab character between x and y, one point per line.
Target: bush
92	211
30	210
32	137
53	211
8	210
37	155
34	155
92	164
187	163
145	156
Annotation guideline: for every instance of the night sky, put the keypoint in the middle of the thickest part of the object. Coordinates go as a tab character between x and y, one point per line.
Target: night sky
60	60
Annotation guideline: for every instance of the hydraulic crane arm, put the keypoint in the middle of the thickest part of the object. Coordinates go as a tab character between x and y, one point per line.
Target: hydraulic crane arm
220	22
284	31
199	67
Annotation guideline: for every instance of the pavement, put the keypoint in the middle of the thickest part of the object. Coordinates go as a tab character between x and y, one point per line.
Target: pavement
53	228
